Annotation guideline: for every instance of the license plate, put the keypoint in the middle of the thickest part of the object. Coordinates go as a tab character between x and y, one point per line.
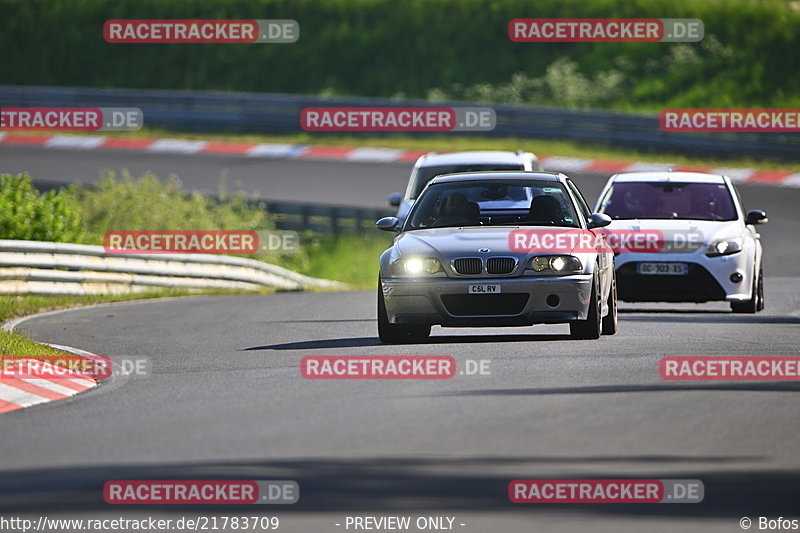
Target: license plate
484	289
663	269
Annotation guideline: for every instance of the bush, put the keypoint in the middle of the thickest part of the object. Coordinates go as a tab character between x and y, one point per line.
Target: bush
27	214
132	204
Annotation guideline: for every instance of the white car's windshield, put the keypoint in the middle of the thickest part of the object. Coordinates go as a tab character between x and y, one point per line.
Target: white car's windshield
427	173
494	203
648	200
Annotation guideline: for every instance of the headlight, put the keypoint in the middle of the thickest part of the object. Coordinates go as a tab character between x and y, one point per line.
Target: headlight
724	247
416	266
559	264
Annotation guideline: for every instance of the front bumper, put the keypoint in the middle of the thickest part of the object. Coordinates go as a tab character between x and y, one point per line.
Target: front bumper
708	278
523	301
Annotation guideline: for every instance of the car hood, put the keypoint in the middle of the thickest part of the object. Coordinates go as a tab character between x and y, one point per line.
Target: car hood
449	243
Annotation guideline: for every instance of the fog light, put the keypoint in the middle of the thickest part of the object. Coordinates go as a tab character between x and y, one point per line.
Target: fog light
736	277
553	300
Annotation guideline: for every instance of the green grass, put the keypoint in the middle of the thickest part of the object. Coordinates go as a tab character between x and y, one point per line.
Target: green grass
542	148
352	259
16	344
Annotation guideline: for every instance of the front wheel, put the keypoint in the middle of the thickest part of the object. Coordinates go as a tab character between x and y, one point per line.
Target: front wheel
610	320
756	301
397	333
589	328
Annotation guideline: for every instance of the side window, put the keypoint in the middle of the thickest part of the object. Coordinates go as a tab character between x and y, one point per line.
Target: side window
582	205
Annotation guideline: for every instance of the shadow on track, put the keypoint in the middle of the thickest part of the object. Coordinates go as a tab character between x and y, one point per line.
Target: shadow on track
391	483
614	389
356	342
723	318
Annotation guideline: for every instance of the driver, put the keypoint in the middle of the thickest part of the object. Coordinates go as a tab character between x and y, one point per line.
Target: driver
456	211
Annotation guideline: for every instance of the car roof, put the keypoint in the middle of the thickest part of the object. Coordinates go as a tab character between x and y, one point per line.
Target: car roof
660	176
500	175
486	157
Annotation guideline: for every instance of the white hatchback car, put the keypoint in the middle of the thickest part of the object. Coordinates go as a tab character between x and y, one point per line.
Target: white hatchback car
708	248
433	164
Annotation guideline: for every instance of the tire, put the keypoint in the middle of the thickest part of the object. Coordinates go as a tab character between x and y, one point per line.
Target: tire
397	333
590	328
609	324
756	301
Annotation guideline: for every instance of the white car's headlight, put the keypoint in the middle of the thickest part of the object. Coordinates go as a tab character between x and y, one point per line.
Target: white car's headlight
559	264
416	266
724	247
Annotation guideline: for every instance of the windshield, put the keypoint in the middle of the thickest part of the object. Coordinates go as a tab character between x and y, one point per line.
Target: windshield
426	174
690	201
494	203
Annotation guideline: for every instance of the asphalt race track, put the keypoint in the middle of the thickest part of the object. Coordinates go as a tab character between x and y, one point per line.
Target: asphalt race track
226	398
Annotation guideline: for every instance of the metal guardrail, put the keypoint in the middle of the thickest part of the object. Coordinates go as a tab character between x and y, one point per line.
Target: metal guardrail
280	113
36	267
323	218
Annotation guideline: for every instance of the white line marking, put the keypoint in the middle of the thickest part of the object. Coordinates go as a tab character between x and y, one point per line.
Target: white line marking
791	181
735	174
374	154
649	167
177	146
50	385
9	393
275	150
567	164
75	142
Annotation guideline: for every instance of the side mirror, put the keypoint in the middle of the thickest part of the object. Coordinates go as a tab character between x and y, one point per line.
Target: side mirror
388	224
394	199
756	216
598	220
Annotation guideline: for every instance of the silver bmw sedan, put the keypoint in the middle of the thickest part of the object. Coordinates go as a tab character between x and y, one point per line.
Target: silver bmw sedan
495	249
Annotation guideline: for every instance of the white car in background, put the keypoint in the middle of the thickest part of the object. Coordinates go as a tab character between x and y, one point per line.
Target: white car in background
433	164
710	249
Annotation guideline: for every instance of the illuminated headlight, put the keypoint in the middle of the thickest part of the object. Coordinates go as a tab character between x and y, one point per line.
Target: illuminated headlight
559	264
724	247
416	266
